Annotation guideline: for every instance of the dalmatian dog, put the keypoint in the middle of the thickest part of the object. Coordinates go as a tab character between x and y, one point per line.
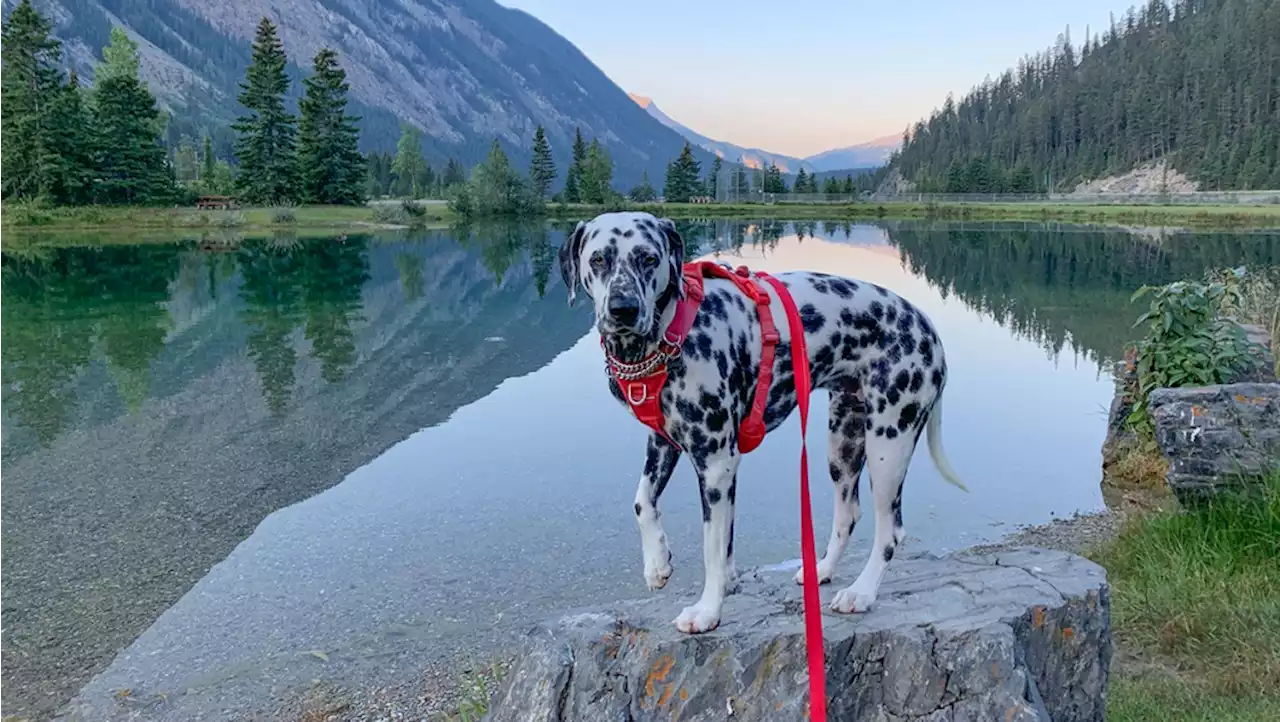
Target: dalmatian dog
877	355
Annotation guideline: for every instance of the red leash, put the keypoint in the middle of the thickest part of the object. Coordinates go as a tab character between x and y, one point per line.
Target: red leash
808	555
641	385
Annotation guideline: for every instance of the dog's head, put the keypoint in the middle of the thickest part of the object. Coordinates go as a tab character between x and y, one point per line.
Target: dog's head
630	266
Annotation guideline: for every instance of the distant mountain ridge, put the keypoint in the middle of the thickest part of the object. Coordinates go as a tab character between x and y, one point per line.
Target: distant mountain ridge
464	71
869	154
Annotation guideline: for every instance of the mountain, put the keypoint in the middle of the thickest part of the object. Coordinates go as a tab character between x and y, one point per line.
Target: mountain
751	157
870	154
1193	85
464	71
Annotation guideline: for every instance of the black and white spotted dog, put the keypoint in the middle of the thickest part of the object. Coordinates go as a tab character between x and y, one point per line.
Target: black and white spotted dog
876	354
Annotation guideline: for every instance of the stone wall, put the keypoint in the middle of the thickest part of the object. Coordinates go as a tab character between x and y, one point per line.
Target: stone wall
1019	636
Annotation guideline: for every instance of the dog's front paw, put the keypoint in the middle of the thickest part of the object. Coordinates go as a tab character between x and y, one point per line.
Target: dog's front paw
658	571
824	574
850	600
698	618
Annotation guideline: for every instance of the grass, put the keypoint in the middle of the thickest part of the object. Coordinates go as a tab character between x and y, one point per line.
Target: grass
29	218
1195	602
23	217
1206	216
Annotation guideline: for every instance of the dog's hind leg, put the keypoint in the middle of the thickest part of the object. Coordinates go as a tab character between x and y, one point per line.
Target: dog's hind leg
717	476
846	454
887	461
659	462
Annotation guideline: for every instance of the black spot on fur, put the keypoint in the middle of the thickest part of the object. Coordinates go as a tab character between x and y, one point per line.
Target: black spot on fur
879	431
907	342
846	317
888	553
617	231
935	378
713	496
893	395
628	233
902	380
890	432
877	310
811	319
926	351
908	416
880	290
637	508
691	412
842	288
917	381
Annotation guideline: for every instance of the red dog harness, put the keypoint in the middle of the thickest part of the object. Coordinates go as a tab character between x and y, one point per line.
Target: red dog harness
641	385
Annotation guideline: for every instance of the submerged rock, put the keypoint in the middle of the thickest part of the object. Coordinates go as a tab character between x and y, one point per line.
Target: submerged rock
1018	636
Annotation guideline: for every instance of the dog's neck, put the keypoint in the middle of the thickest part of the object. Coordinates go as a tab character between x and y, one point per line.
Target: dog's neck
632	348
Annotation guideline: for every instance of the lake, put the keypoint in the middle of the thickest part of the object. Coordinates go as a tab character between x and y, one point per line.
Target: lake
233	467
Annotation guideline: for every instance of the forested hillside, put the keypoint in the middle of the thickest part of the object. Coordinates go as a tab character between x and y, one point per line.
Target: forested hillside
1196	82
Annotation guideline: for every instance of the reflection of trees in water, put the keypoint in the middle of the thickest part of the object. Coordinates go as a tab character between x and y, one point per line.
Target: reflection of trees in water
1055	285
59	303
409	268
316	284
269	289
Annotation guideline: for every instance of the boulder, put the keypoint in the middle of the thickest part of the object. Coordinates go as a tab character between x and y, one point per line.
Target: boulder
1015	636
1217	437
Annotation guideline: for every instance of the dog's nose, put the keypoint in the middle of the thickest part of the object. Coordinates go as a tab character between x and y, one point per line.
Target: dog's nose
624	309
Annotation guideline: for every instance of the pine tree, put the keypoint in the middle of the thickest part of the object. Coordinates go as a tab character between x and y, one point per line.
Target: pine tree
70	131
406	168
682	177
38	143
596	175
207	159
265	145
713	178
330	167
453	174
573	180
130	163
644	193
802	182
542	170
848	187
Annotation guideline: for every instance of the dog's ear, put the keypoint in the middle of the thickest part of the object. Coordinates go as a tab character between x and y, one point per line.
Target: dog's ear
675	253
571	260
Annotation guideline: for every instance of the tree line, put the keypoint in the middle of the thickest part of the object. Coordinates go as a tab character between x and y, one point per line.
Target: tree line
1194	83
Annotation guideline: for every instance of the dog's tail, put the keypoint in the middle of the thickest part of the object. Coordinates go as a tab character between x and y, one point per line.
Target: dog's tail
935	447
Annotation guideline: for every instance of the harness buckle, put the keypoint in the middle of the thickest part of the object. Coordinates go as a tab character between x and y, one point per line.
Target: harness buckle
771	336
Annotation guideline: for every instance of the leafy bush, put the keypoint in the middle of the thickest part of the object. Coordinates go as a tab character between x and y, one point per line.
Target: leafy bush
1189	340
390	213
228	219
412	209
495	190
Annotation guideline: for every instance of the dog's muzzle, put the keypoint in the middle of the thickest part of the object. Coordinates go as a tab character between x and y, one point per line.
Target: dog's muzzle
624	311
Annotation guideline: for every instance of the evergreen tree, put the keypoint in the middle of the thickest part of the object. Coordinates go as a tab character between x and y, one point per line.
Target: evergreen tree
39	143
266	136
495	190
207	159
713	178
542	170
596	175
129	161
644	193
330	167
773	181
802	182
407	167
682	177
573	180
848	186
453	174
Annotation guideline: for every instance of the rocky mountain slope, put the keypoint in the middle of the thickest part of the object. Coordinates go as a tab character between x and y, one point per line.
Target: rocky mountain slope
464	71
751	157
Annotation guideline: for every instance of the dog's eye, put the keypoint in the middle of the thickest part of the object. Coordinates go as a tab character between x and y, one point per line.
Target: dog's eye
597	261
650	260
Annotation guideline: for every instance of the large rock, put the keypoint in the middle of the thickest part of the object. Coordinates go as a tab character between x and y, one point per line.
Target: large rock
1217	437
1016	636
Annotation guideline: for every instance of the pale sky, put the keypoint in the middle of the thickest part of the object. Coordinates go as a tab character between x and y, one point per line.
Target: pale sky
801	76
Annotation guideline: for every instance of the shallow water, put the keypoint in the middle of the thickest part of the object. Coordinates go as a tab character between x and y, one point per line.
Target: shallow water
218	463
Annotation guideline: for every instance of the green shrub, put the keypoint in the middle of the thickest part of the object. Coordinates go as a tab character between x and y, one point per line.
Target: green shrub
412	209
284	214
1189	340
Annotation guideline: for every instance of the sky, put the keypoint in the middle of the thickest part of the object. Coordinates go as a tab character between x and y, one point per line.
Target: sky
802	76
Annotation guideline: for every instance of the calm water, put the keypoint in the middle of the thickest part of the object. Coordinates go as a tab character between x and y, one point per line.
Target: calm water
220	460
